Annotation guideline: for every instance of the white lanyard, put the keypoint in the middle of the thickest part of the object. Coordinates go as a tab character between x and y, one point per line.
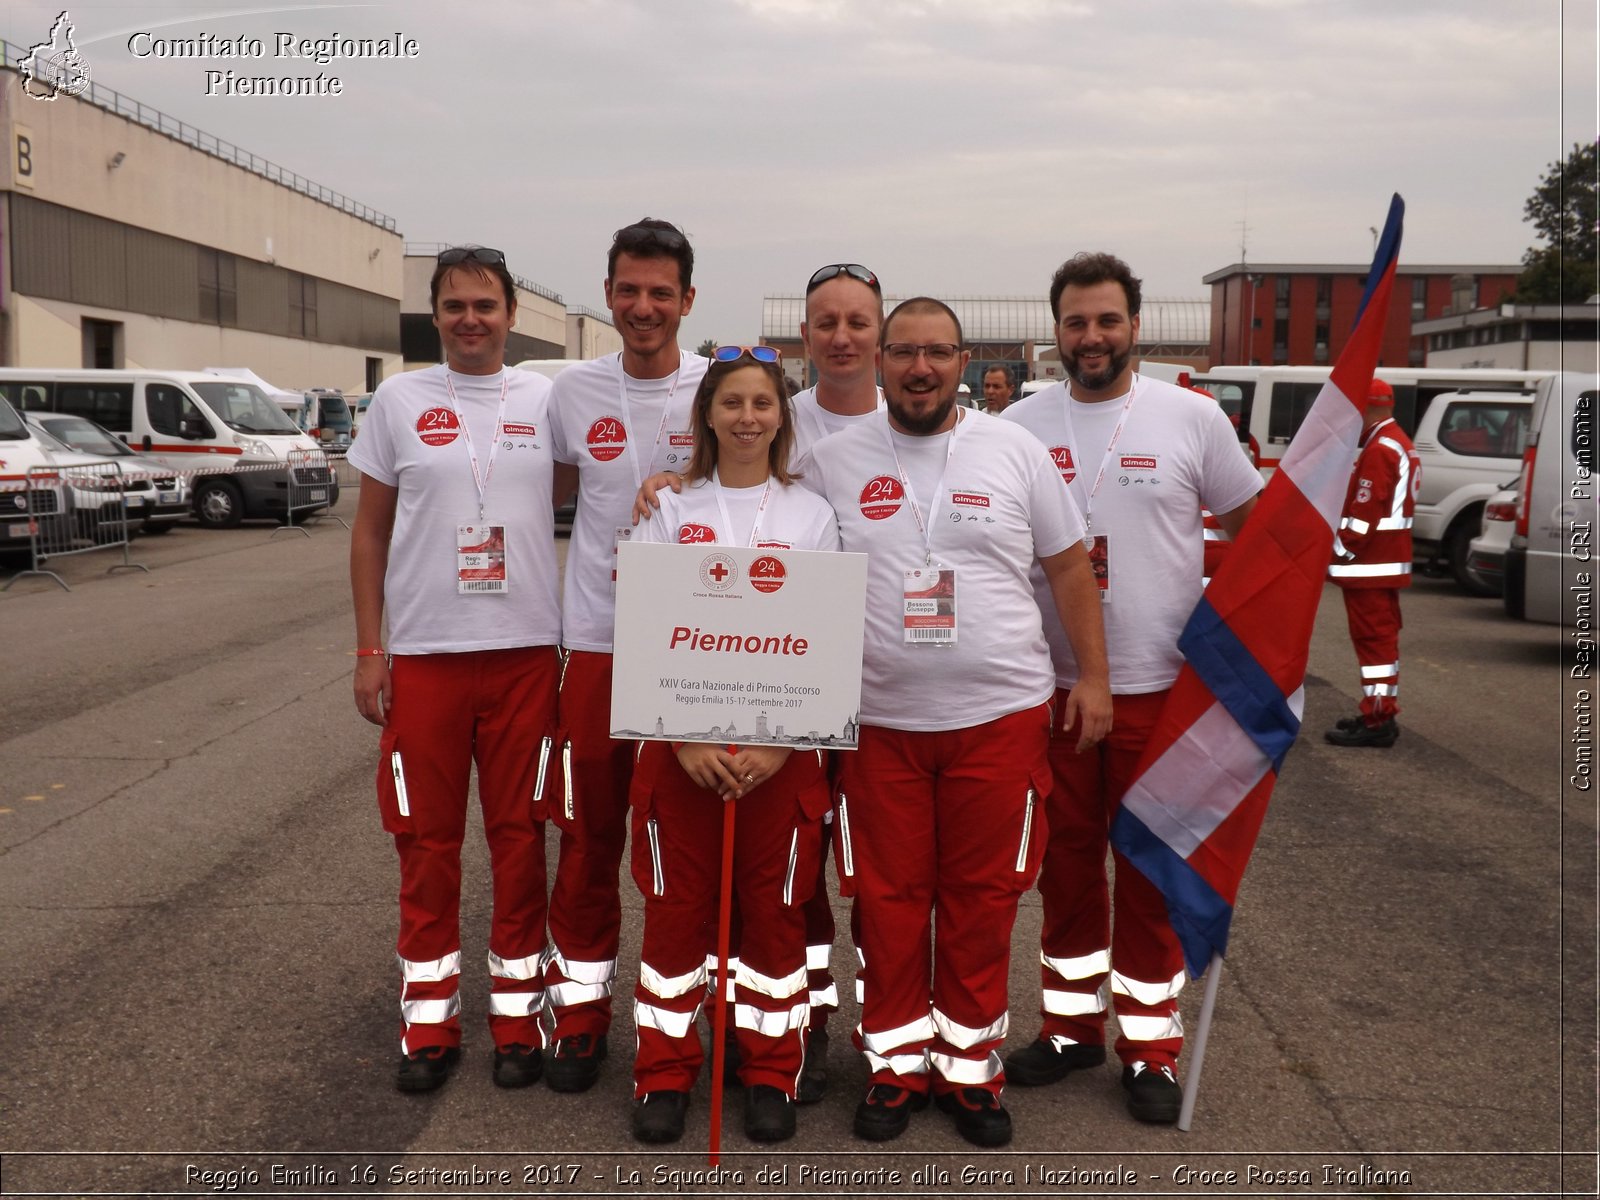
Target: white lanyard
727	521
466	431
1105	459
911	496
627	418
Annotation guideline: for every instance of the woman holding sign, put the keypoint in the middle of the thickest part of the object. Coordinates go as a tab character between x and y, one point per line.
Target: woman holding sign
737	491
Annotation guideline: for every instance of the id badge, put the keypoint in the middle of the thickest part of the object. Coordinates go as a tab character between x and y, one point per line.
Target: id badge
930	606
623	534
481	560
1100	563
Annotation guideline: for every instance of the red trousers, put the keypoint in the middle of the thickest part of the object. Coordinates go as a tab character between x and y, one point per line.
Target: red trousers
492	708
1374	617
939	829
1081	946
677	863
591	811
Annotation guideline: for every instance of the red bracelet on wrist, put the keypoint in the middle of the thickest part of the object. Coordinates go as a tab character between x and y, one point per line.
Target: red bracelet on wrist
370	653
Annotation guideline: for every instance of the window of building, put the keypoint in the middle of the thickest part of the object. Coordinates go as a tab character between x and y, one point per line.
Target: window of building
1324	296
374	373
102	344
303	305
1419	297
219	287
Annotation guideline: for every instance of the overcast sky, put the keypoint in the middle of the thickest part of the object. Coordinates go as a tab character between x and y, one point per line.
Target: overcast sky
958	147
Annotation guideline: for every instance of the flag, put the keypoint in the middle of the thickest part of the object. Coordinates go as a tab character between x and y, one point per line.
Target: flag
1189	820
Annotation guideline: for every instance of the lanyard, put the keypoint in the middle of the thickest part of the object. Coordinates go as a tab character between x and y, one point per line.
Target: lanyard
466	431
727	521
1105	459
911	496
627	418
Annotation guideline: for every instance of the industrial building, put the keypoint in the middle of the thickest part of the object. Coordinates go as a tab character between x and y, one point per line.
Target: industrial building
1521	337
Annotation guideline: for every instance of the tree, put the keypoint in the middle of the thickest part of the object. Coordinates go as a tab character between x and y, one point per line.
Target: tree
1566	269
707	348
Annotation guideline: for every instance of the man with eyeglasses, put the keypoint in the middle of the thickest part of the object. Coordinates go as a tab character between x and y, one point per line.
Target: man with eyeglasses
615	422
1142	457
936	812
455	539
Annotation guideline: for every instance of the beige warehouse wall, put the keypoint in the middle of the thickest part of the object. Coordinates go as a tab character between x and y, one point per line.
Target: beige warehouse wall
51	333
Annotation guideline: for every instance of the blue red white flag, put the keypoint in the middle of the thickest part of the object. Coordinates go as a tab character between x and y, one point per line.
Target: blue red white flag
1189	821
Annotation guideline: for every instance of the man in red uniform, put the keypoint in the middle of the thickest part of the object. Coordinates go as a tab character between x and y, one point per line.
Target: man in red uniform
1372	562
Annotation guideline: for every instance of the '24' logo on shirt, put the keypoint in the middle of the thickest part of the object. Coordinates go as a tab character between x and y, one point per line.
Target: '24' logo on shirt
881	498
607	438
438	427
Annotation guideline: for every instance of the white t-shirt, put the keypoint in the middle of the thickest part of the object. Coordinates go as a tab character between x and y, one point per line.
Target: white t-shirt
812	423
1176	454
791	519
411	440
617	440
997	507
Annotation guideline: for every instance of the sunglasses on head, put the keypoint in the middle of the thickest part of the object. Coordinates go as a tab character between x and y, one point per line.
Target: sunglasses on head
762	354
833	271
477	254
635	237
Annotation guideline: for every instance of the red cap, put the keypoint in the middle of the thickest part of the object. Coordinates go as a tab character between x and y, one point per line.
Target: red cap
1380	392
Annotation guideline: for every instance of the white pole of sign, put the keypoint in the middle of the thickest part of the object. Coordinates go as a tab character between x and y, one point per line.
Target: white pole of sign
1198	1058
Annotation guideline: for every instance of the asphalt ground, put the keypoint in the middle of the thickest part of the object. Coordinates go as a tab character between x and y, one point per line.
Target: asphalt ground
197	923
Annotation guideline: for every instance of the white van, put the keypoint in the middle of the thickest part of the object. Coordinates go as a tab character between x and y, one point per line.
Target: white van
1267	404
1470	446
1551	567
233	442
27	500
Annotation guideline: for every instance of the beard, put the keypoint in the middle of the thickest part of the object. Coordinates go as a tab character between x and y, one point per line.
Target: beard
920	425
1096	381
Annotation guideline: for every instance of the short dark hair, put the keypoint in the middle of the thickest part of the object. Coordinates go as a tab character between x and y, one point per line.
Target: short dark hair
1011	379
922	304
483	270
1087	269
704	459
652	238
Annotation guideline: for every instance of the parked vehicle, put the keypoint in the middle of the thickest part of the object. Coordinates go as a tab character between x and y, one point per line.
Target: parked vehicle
1470	444
326	417
28	498
1486	557
1271	402
153	497
1550	567
223	433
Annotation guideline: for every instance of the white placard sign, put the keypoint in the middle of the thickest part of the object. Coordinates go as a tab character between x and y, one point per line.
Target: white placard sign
732	644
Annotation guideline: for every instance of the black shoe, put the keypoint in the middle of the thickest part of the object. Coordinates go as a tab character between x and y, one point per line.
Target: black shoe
424	1070
768	1114
814	1074
980	1117
575	1063
517	1066
1154	1094
886	1111
1042	1062
658	1116
1379	736
1350	722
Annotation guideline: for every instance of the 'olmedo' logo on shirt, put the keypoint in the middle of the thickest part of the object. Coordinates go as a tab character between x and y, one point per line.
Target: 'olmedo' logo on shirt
438	427
1062	457
881	498
607	438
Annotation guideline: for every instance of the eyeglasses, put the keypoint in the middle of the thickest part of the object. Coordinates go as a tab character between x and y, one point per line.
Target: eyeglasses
639	237
477	254
763	354
940	354
854	270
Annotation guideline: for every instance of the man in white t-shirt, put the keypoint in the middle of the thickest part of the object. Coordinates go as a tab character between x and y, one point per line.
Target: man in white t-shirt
1142	458
936	811
615	422
999	385
454	537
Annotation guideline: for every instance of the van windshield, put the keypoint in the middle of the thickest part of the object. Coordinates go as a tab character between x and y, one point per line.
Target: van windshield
335	413
11	427
244	408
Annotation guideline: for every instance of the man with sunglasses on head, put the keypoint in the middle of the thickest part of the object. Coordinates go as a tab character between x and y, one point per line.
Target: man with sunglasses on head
936	811
615	422
454	539
1142	457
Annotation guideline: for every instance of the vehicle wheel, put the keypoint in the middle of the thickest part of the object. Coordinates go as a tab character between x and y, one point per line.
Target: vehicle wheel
217	504
1456	547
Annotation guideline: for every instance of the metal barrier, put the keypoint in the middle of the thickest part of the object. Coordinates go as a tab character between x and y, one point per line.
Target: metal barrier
311	491
79	509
